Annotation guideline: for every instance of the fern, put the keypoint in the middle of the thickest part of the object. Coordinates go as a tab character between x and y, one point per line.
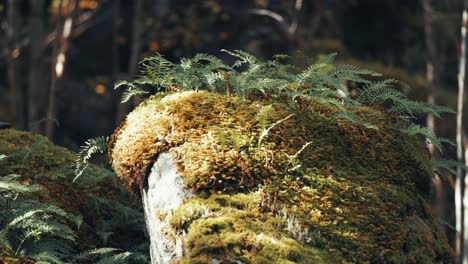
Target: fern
243	58
115	259
94	253
110	256
91	147
353	119
380	91
10	184
413	147
449	165
32	228
352	73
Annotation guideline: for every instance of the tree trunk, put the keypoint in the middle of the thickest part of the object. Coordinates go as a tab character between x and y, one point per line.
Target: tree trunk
135	46
64	30
459	243
431	62
136	43
37	81
17	93
465	205
116	60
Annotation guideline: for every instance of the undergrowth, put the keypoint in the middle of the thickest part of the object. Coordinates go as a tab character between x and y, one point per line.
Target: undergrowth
45	218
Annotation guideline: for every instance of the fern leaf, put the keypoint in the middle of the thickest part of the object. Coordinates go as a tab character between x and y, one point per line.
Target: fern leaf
244	58
4	240
96	252
91	147
115	259
47	257
352	73
414	129
413	147
127	95
10	183
121	83
449	165
354	120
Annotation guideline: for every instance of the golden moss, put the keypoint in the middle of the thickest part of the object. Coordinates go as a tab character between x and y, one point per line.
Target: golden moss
312	187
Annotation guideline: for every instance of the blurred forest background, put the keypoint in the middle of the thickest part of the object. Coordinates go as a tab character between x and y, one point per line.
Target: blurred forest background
60	58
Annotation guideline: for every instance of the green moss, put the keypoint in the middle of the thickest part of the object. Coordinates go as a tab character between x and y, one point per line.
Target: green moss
311	188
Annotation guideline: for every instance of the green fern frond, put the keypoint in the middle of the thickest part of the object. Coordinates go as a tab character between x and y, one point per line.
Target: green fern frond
127	95
154	71
4	240
96	252
244	58
353	119
121	83
47	257
211	62
116	259
380	91
413	147
10	184
33	227
132	89
91	147
406	107
449	165
412	129
352	73
37	209
322	62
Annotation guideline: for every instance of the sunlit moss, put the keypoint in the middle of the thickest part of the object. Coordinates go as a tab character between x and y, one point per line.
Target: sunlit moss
281	184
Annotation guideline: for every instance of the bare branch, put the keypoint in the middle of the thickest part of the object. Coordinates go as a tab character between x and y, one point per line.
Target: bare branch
297	9
265	12
289	28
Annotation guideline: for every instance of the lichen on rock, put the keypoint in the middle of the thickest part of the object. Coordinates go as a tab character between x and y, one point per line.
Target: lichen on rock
280	184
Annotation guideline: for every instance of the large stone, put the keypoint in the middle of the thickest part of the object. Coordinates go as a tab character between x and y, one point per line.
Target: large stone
267	183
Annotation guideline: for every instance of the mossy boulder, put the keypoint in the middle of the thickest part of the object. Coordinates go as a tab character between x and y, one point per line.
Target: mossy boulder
96	196
279	184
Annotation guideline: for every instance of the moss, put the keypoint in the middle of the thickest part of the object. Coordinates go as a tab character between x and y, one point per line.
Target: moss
38	161
312	187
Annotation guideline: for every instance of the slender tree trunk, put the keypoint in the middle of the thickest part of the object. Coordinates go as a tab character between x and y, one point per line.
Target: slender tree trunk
431	62
465	205
37	79
135	46
56	68
459	243
64	30
17	97
136	43
116	61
